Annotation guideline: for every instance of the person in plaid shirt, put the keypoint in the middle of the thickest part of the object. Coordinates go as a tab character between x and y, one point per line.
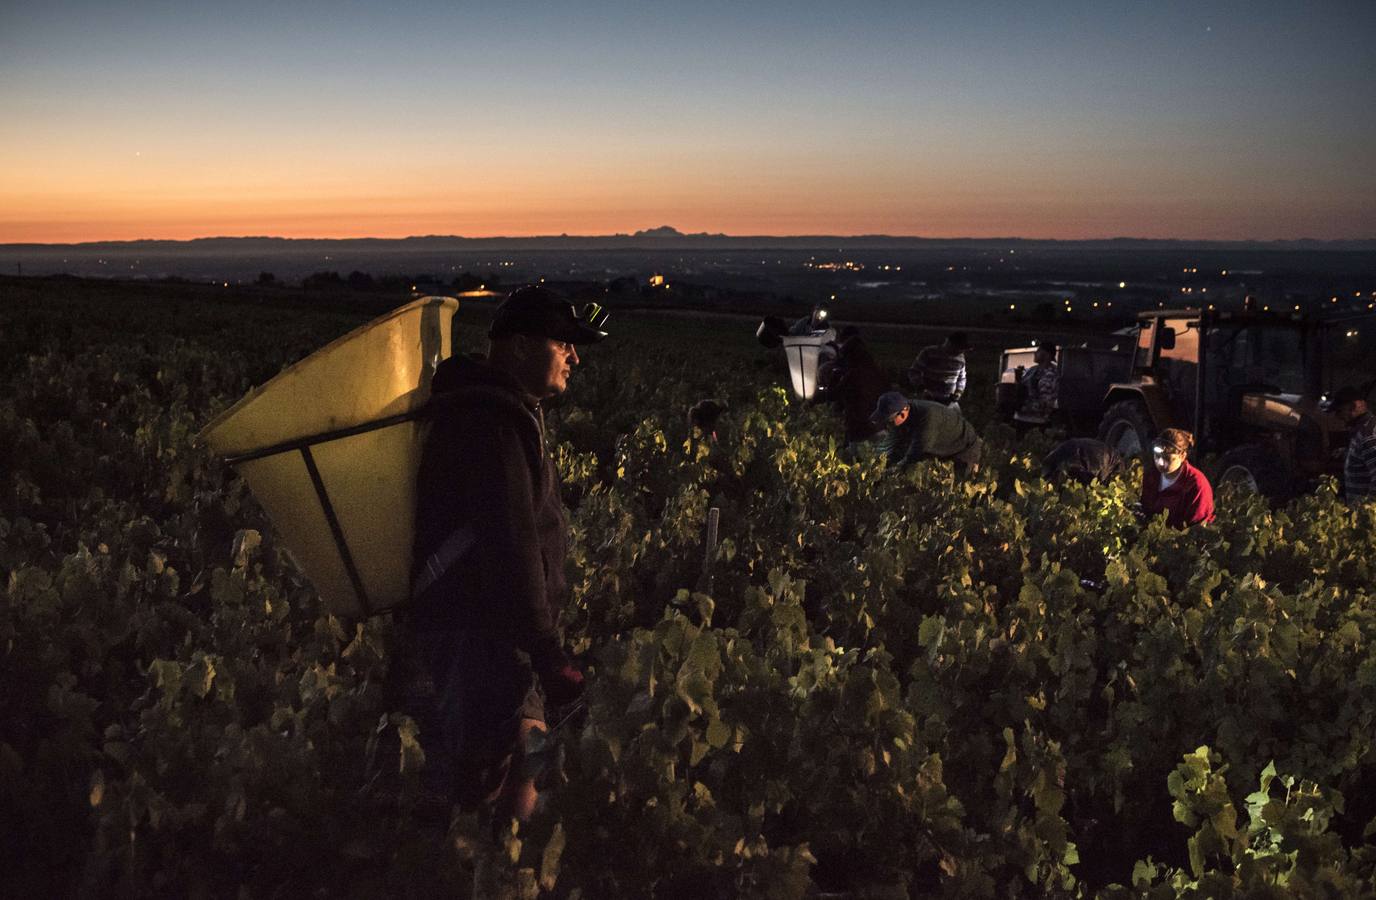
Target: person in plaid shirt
1359	468
1043	387
939	370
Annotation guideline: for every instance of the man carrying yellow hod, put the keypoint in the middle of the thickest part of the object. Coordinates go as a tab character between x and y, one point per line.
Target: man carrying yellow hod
488	572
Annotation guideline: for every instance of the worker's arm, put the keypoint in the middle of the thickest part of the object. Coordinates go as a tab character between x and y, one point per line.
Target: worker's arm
1050	387
917	435
1198	501
502	490
477	478
1363	453
917	371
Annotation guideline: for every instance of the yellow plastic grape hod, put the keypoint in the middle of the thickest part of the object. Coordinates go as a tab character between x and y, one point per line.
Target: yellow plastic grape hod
330	448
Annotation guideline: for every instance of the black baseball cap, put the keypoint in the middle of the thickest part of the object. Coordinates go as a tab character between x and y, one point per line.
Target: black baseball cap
540	311
891	403
1348	394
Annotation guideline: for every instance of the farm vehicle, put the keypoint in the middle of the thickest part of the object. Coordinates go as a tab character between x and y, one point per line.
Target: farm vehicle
1251	386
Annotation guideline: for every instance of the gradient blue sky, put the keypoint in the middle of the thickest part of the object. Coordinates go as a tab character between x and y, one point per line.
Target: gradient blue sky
1193	120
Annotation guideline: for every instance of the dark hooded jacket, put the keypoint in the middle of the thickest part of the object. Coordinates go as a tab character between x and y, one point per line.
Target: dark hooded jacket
1083	460
931	431
861	383
485	473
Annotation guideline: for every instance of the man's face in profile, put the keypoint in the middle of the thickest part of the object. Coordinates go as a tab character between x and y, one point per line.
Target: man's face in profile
548	364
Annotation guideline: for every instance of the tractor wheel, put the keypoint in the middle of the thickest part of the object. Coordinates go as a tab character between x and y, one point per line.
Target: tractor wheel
1127	428
1255	468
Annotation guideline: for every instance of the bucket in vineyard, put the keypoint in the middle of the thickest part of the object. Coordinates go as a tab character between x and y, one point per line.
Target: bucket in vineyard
330	448
808	345
806	354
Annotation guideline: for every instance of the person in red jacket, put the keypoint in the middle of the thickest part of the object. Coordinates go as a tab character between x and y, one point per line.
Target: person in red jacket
1173	486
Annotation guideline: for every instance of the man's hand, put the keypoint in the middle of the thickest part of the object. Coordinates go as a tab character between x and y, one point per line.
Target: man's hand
562	685
559	678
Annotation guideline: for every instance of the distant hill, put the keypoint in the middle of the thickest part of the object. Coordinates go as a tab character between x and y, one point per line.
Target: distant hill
715	258
663	237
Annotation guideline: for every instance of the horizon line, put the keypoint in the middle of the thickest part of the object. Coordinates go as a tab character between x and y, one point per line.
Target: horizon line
659	235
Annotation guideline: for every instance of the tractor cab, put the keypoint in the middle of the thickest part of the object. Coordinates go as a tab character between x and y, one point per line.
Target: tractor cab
1220	375
1241	381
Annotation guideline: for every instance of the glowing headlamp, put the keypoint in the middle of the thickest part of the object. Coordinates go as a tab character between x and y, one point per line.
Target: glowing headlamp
595	315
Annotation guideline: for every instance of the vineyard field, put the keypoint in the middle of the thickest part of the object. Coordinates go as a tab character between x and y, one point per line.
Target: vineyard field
892	685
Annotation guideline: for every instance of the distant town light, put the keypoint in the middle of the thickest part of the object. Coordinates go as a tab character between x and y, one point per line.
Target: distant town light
1122	284
1352	332
1012	306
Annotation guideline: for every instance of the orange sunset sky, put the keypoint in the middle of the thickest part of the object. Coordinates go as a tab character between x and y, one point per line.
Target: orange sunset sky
1223	121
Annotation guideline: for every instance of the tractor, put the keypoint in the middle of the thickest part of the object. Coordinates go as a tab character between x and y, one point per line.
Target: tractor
1252	387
